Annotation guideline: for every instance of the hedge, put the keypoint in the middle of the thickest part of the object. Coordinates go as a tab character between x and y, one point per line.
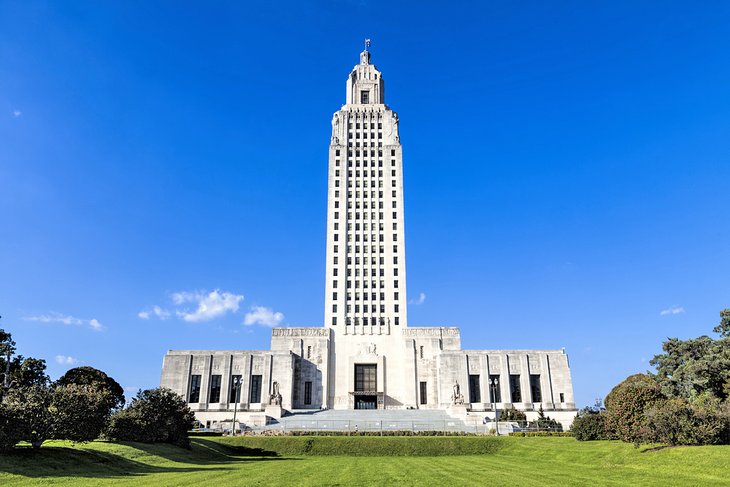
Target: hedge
541	433
360	445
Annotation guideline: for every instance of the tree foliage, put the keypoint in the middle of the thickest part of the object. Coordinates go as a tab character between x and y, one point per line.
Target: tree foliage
30	407
544	423
723	328
512	414
678	421
80	412
689	368
98	380
154	416
626	407
11	431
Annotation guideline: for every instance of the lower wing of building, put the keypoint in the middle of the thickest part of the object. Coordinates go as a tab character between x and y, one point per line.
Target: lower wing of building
413	368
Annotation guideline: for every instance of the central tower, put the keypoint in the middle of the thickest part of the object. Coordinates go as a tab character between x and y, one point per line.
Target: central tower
366	278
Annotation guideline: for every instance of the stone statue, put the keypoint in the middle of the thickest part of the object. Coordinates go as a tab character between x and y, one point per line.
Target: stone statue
275	397
457	397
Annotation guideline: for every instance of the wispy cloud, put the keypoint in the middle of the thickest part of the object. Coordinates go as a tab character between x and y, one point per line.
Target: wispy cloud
54	317
17	113
196	306
66	360
420	300
156	311
672	310
260	315
208	305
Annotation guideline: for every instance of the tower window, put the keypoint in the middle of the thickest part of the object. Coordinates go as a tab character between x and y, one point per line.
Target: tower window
364	97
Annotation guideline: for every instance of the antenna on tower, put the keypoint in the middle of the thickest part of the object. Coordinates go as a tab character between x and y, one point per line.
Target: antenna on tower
367	44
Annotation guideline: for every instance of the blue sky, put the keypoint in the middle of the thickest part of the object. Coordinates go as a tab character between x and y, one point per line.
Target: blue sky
566	169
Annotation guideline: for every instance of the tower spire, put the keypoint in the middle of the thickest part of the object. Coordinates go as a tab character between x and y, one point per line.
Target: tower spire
367	44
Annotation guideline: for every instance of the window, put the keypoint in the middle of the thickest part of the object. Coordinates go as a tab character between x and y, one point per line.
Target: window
535	388
420	351
396	308
365	378
334	308
423	395
337	152
309	351
562	397
474	392
308	392
215	388
194	389
364	97
496	394
392	152
514	385
397	320
334	321
255	391
234	393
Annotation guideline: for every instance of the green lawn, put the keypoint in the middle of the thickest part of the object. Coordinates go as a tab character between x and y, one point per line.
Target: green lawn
509	461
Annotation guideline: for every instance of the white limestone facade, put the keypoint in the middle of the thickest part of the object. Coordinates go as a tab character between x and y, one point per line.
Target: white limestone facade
365	356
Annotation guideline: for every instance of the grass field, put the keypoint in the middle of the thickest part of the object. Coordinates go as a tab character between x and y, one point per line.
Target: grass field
508	461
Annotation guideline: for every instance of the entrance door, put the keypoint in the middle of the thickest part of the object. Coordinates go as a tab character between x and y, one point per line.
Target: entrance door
366	386
366	402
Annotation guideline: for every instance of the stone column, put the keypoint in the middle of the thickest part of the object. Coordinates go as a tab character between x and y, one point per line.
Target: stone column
525	380
504	379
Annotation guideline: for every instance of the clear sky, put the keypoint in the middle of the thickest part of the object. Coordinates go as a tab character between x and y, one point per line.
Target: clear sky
566	172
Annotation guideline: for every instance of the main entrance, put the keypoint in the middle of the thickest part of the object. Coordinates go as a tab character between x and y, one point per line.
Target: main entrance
366	386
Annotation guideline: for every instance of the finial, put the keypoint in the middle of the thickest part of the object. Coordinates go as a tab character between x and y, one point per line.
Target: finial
367	44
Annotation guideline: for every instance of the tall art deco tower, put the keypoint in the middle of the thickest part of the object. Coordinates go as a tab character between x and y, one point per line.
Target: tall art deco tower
366	268
366	356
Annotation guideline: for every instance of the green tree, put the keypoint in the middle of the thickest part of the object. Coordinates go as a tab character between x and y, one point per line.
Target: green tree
679	421
154	416
97	379
689	368
29	372
544	423
589	425
626	407
30	406
723	329
11	431
512	414
80	412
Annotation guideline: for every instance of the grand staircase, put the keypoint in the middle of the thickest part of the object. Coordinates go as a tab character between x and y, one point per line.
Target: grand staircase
371	420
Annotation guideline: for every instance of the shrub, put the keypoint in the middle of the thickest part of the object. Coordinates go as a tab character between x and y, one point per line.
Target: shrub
626	406
155	416
512	414
589	424
704	421
10	429
524	434
30	407
80	412
361	445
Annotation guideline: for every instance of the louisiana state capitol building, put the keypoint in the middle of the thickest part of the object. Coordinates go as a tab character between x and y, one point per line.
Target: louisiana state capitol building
366	356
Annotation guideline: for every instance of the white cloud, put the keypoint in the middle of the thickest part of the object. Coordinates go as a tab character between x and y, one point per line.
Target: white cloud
260	315
421	299
17	113
54	317
66	360
155	311
672	310
209	305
